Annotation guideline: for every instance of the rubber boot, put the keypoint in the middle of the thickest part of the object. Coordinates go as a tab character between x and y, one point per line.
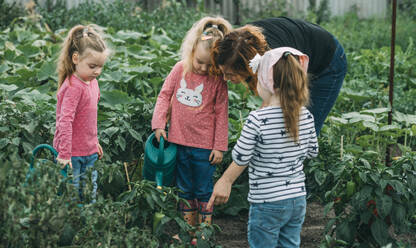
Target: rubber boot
204	214
189	214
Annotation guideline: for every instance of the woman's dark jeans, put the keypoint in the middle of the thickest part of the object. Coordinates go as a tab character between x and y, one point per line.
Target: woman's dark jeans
325	87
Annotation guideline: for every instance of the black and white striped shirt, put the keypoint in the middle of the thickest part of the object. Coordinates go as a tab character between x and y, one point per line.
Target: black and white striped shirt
274	159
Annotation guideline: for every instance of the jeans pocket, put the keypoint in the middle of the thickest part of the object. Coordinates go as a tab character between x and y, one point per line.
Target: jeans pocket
267	218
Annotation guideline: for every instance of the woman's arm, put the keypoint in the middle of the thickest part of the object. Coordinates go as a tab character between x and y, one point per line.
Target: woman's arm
222	188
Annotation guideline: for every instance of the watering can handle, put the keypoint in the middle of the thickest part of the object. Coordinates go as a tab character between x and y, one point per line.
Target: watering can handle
161	154
53	151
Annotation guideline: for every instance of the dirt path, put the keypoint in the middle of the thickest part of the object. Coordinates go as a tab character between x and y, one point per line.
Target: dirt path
234	229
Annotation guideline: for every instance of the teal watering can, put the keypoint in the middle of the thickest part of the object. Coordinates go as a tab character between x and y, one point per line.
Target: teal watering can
32	167
159	161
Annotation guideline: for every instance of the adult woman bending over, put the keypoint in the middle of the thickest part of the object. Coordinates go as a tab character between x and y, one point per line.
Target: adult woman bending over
327	61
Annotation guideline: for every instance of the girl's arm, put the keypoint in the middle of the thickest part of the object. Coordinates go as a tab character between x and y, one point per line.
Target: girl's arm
164	99
222	188
221	117
241	154
71	98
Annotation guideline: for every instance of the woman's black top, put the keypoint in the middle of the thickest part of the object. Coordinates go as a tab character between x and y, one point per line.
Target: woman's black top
306	37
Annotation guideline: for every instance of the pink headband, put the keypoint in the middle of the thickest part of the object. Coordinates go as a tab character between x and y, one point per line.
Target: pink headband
263	65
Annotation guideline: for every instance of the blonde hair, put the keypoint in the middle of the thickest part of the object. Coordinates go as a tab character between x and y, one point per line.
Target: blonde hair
78	40
206	32
291	82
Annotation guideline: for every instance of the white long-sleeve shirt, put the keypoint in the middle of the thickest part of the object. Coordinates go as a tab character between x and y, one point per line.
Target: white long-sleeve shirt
274	159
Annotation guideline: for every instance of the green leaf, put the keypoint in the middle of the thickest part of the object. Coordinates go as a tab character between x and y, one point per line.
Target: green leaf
114	97
121	142
371	125
411	181
384	205
363	176
379	230
144	69
345	231
10	87
111	131
150	201
339	120
39	43
376	111
398	216
46	71
392	127
364	194
21	59
9	55
129	35
135	135
29	50
3	142
320	177
4	68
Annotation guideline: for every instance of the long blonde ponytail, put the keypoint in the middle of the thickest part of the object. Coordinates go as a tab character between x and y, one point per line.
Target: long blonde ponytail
79	39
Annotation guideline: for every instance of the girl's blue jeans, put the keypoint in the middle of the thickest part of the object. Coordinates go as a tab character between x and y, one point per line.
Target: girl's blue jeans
325	87
79	166
276	224
195	173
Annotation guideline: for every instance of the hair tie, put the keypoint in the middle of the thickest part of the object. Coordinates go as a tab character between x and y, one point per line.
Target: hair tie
285	54
254	63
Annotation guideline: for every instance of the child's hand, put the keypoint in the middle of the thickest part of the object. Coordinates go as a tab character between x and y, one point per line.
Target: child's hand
221	193
100	151
215	157
64	162
159	132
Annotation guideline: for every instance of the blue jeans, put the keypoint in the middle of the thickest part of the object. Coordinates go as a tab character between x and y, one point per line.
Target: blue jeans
326	85
276	224
194	173
79	166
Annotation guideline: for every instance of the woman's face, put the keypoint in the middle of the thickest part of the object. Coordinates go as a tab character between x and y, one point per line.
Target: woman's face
232	75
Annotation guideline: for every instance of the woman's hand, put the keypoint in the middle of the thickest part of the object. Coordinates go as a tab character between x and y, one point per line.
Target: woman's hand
215	157
160	132
100	151
64	162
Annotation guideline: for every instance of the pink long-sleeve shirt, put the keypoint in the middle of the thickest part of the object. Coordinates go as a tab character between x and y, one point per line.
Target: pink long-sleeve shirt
199	114
76	118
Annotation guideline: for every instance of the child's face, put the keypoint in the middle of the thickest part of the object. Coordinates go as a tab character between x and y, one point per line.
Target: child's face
202	60
90	65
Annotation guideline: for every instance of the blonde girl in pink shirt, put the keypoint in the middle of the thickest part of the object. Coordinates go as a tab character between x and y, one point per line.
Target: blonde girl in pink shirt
81	60
198	118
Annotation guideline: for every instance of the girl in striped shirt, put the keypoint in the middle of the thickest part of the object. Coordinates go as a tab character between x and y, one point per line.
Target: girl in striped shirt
274	142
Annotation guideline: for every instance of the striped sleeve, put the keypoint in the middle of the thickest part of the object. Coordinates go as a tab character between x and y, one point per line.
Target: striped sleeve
313	147
250	135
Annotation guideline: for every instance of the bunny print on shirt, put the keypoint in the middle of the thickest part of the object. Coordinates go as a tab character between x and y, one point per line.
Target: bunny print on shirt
189	97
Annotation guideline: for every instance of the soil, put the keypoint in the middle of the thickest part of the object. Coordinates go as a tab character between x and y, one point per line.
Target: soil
234	229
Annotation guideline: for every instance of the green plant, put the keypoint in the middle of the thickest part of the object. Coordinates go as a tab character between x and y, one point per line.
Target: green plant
9	12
